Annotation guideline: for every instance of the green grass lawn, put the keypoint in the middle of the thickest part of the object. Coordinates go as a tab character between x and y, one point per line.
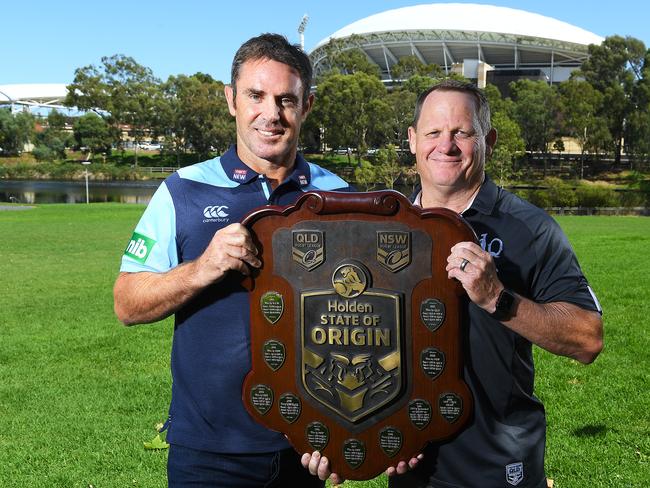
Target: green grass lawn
79	393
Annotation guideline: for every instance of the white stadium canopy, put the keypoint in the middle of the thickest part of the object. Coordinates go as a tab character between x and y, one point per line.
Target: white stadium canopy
449	34
49	95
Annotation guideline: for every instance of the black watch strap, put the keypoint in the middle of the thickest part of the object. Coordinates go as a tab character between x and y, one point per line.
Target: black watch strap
505	305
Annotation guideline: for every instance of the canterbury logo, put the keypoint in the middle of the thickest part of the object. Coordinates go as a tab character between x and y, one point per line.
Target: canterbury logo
215	211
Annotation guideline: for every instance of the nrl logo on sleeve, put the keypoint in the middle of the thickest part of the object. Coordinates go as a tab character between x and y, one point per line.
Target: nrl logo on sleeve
139	247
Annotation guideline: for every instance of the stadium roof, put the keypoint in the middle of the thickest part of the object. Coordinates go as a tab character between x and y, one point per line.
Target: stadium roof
447	33
39	94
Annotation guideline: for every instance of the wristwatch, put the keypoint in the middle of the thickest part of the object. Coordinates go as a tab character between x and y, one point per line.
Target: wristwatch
505	305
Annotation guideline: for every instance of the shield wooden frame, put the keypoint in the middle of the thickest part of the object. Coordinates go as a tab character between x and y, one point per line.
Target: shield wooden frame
434	403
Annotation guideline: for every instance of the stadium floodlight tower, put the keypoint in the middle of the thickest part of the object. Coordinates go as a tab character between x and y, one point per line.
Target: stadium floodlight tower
301	30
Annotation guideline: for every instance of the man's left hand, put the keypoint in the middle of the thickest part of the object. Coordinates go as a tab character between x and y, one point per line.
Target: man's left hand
476	271
320	466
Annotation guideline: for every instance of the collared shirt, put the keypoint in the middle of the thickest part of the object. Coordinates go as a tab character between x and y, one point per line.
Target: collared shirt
504	444
211	344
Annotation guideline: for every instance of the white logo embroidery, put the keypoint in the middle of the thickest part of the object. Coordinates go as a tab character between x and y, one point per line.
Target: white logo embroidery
215	211
494	247
515	473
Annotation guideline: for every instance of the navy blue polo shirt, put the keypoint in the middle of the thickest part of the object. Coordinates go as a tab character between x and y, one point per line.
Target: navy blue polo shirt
211	344
503	446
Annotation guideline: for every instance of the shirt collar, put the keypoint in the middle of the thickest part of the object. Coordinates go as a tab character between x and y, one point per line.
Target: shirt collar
483	201
235	168
486	198
301	173
241	173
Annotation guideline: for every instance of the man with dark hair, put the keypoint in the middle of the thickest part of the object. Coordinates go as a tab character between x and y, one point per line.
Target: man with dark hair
525	287
187	257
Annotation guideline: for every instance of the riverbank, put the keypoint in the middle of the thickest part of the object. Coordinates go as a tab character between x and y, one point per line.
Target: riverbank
618	190
74	191
124	166
77	171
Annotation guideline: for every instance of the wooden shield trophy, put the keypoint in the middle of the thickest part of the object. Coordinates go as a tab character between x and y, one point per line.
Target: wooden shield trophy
356	332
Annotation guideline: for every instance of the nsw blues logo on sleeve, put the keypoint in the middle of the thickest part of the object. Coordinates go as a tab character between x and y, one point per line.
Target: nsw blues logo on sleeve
139	247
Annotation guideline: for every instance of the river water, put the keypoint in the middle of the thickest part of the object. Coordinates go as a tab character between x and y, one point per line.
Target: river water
48	191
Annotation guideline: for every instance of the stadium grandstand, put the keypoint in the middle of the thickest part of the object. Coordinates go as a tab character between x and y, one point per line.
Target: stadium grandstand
484	43
33	96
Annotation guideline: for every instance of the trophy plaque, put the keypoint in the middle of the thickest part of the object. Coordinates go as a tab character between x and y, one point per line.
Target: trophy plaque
357	335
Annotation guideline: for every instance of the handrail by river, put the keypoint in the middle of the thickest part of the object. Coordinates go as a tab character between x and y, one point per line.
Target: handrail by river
158	169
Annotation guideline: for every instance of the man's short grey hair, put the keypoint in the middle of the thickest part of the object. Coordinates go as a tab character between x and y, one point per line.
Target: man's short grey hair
276	48
482	105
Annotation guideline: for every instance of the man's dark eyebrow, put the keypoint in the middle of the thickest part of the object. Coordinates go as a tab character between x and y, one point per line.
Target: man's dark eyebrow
288	95
253	91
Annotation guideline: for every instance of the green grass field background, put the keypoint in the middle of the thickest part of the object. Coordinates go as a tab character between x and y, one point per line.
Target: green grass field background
79	393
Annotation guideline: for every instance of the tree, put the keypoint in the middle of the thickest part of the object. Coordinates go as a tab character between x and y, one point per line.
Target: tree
122	90
409	66
510	146
387	166
416	84
15	131
93	133
53	140
56	120
352	110
580	102
613	68
402	103
535	109
348	61
365	175
637	128
195	114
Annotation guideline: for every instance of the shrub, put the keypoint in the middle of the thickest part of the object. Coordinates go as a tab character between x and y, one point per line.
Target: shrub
644	186
596	195
538	198
560	193
632	198
43	153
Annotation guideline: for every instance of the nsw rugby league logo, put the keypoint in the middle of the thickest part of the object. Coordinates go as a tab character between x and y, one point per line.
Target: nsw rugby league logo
393	249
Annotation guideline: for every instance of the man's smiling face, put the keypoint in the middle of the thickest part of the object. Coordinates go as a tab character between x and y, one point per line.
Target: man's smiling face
269	111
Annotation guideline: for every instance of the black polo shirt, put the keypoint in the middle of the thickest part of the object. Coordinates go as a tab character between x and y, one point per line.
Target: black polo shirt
504	443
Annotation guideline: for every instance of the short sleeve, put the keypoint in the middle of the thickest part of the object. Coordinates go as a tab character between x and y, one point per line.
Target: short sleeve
557	275
153	244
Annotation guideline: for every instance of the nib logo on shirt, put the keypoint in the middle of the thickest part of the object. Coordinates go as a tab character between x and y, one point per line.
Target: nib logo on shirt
139	247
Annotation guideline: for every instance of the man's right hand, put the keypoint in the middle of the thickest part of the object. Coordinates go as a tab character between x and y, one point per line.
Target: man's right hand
231	248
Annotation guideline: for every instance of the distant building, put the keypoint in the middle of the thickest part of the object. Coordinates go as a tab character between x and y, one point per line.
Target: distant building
482	42
36	97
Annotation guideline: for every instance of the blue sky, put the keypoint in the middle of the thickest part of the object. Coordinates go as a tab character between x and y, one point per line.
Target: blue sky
45	41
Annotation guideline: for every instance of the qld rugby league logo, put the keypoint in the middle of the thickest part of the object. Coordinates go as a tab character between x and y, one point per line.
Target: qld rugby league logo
393	249
308	248
351	344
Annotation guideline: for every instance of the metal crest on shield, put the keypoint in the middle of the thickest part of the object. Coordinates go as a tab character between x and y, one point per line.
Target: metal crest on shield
351	357
308	248
393	249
